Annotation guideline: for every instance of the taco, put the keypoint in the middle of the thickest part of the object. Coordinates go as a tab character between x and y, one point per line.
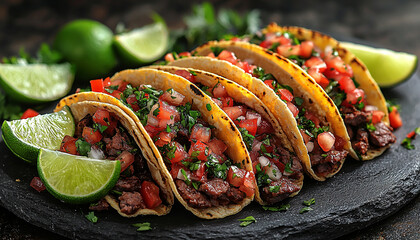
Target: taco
278	171
344	78
321	141
103	131
192	140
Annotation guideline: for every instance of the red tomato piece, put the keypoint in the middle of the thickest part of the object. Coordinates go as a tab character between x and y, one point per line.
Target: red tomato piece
115	93
201	171
266	44
199	150
306	137
245	66
29	113
411	135
269	83
97	85
227	101
306	48
285	94
169	57
132	100
338	64
346	84
250	125
279	165
122	86
292	107
318	77
377	116
235	176
395	118
91	135
102	117
355	96
172	97
175	167
228	56
217	146
219	91
150	194
184	54
126	158
218	102
152	130
107	82
166	111
248	186
326	141
186	74
264	127
180	153
68	145
201	133
309	115
235	112
288	50
37	184
282	40
316	63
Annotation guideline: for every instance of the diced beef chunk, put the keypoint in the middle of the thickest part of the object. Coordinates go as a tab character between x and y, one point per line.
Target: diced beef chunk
382	135
130	202
193	197
335	156
235	195
102	205
118	143
286	187
129	184
86	121
214	188
356	118
361	144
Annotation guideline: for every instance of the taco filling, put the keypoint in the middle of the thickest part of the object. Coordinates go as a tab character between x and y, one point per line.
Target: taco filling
101	136
203	174
364	123
278	171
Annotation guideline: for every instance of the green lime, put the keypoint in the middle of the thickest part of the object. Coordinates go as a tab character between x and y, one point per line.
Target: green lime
387	67
88	45
36	83
143	45
26	136
76	179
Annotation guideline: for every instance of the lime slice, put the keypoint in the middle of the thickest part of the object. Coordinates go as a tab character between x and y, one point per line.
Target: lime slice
143	45
387	67
36	83
76	179
26	136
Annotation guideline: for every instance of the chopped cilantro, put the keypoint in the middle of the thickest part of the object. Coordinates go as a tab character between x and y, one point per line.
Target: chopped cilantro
83	147
208	106
283	207
274	189
193	73
298	101
288	167
407	143
215	169
91	217
142	226
248	138
168	129
246	221
309	202
305	209
370	127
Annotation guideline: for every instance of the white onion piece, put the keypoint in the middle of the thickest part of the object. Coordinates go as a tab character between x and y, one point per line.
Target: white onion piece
273	172
369	108
96	153
253	115
264	161
310	146
152	119
256	146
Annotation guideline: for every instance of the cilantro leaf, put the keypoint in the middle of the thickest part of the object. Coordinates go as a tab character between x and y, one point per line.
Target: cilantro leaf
246	221
91	217
142	226
283	207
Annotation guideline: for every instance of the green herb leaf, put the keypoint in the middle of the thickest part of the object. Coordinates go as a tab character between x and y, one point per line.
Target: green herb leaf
208	106
142	226
407	143
91	217
305	209
309	202
246	221
83	147
370	127
283	207
274	189
298	101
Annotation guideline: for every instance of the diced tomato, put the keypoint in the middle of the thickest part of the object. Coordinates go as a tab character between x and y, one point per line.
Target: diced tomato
218	102
101	117
217	146
249	184
116	94
346	84
201	133
331	73
97	85
235	176
306	137
355	96
160	143
166	111
288	50
185	74
318	77
113	122
169	57
91	135
411	134
326	141
235	112
37	184
309	115
175	167
377	116
227	101
199	150
316	63
211	55
306	48
201	171
68	145
29	113
152	130
172	97
268	148
126	158
132	100
338	64
184	54
180	153
269	83
395	118
292	107
279	165
150	194
107	82
164	138
282	40
244	66
228	56
250	125
264	127
123	86
219	91
285	94
266	44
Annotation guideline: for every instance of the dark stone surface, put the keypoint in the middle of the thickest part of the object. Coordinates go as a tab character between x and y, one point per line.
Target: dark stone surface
380	193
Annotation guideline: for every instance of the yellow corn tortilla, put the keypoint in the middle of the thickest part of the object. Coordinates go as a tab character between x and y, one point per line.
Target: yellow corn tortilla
81	109
372	91
244	96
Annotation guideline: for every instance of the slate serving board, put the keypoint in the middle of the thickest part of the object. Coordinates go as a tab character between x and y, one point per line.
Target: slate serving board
361	194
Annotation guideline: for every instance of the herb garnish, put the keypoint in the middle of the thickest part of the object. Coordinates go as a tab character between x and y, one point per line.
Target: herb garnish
305	209
142	226
91	217
246	221
307	203
407	142
208	106
283	207
83	147
248	138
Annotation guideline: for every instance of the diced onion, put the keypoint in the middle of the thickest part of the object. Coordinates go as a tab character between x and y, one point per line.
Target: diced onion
96	153
310	146
256	146
273	172
264	161
369	108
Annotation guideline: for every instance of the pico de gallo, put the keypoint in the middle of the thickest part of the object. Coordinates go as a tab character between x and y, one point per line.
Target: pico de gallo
203	174
278	171
364	122
101	136
326	150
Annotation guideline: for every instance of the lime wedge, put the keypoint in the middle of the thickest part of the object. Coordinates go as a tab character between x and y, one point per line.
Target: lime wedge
36	83
26	136
387	67
76	179
143	45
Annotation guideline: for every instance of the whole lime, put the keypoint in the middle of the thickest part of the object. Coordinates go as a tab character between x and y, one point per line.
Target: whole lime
87	44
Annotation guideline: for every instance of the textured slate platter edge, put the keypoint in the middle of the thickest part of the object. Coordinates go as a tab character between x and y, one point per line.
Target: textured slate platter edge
360	195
